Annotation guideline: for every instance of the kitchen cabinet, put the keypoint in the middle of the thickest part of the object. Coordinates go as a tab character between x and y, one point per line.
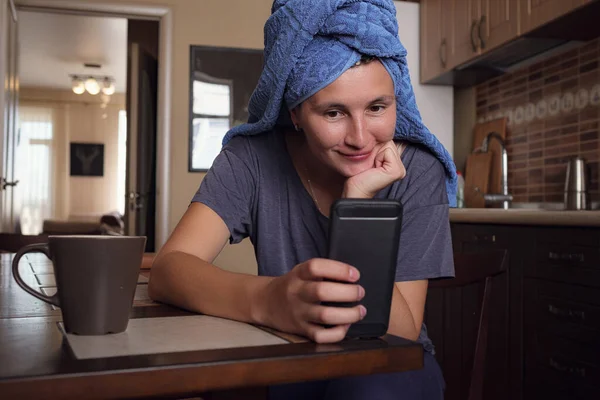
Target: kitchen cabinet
434	39
464	42
562	324
498	22
458	33
480	25
545	314
561	310
455	31
535	13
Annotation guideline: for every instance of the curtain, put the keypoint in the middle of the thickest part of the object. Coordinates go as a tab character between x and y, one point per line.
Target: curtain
34	168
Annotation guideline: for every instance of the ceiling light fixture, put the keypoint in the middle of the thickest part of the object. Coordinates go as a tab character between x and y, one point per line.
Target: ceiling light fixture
108	87
93	84
78	86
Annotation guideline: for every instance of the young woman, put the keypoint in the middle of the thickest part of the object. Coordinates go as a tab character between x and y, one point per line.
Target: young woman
333	116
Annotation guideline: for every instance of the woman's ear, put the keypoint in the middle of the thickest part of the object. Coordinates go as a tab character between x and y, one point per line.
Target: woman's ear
295	115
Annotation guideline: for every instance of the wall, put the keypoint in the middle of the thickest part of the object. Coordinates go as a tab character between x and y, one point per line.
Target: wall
465	117
93	196
231	23
553	110
228	23
81	119
435	103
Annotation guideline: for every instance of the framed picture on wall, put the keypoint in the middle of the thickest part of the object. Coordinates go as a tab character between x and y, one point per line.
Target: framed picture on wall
87	159
222	80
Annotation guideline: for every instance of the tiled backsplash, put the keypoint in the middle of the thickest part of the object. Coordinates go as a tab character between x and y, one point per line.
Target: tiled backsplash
553	110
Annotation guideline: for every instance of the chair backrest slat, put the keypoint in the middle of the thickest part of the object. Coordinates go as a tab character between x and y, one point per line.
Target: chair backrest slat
471	268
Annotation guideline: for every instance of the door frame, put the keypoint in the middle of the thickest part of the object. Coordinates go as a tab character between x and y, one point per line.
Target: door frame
164	15
8	44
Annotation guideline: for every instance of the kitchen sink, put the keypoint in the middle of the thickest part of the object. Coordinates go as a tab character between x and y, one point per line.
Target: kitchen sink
538	206
546	206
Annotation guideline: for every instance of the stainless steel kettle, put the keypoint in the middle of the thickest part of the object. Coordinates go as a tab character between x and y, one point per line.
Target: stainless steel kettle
576	185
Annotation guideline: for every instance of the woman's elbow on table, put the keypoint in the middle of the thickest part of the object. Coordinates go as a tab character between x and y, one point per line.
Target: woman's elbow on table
157	280
169	275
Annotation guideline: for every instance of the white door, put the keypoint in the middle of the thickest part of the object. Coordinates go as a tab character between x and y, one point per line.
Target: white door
8	113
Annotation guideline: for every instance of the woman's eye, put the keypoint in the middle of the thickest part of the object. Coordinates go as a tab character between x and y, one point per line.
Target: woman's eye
333	114
377	109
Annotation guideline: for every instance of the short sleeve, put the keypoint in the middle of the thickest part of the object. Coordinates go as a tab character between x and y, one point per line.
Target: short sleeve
229	189
425	250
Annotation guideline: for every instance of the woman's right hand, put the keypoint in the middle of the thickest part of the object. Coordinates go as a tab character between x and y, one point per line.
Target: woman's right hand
292	302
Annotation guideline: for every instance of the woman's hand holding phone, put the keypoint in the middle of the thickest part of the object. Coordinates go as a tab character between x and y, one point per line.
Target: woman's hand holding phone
293	302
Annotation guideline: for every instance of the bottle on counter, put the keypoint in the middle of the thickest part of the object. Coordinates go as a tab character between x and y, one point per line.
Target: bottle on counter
460	191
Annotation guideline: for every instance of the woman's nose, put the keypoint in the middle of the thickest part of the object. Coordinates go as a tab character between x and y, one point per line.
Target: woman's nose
356	136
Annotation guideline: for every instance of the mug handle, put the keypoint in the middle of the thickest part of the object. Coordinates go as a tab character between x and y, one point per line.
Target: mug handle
40	248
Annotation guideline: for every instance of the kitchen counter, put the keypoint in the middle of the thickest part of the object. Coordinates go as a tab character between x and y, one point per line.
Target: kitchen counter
540	312
523	216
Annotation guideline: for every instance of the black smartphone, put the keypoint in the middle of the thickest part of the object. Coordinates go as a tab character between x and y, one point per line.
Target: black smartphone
365	233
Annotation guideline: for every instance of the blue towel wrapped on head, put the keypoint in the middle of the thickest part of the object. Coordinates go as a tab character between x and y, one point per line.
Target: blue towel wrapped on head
310	43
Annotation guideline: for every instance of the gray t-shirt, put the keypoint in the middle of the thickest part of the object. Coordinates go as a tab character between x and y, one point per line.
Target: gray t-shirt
254	187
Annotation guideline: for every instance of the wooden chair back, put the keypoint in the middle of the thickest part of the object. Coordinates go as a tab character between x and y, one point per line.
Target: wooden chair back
472	268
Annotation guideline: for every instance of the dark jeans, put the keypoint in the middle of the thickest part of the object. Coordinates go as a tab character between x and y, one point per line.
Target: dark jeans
424	384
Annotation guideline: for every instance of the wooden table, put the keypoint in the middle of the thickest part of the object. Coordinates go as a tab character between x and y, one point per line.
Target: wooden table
36	361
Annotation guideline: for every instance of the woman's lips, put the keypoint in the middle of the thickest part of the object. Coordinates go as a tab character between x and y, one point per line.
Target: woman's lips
356	157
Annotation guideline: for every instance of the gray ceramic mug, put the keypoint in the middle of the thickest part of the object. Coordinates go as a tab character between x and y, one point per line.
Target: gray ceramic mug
96	277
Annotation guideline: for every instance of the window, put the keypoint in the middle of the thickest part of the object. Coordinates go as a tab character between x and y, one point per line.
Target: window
34	201
211	119
221	83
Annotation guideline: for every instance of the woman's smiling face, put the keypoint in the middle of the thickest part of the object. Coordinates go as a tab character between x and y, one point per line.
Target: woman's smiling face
347	122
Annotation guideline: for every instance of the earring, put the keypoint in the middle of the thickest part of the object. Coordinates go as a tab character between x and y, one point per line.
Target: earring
297	128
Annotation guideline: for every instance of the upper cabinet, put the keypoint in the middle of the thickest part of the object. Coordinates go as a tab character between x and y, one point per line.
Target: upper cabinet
434	39
535	13
463	18
479	25
456	32
499	22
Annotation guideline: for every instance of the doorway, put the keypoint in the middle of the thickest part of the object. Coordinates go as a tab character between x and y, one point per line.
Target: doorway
142	89
84	146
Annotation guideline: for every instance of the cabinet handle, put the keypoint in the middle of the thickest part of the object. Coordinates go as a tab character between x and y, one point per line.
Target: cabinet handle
473	39
443	50
566	312
579	257
482	21
571	369
484	238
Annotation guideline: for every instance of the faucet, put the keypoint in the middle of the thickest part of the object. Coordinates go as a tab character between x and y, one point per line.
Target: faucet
505	198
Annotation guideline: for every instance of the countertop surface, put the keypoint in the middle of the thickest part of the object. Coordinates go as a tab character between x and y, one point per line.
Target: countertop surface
524	216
